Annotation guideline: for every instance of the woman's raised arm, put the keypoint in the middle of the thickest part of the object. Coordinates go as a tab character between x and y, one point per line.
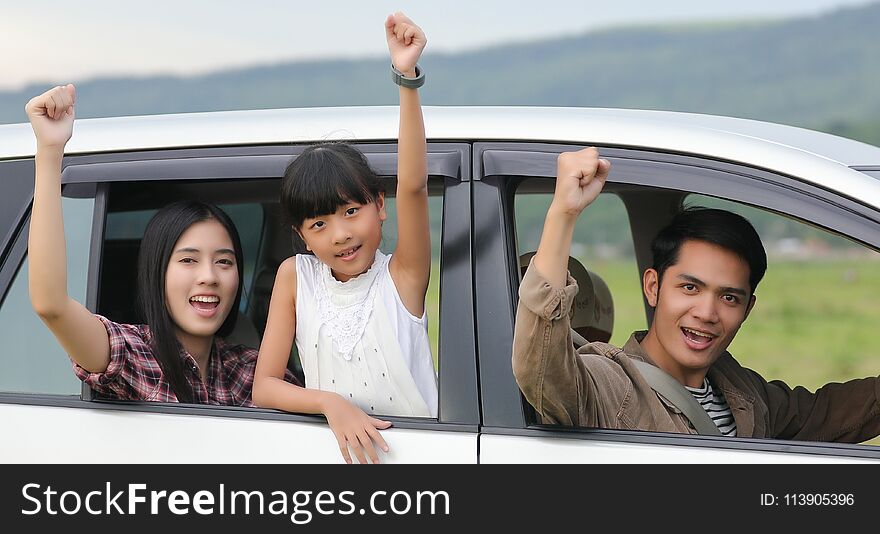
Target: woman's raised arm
80	333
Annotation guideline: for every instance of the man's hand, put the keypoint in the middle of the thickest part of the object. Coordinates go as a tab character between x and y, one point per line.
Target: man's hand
405	42
580	177
51	115
354	428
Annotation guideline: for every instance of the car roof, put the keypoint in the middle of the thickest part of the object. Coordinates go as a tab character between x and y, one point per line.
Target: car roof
816	157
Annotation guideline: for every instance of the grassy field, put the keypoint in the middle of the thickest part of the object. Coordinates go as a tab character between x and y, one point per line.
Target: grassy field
814	322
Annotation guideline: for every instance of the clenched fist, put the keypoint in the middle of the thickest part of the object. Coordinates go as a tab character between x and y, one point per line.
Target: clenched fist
51	115
405	42
580	177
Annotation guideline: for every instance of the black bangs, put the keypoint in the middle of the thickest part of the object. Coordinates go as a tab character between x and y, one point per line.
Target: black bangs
325	177
719	227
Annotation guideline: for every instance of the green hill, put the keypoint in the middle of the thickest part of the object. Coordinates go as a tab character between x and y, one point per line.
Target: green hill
818	72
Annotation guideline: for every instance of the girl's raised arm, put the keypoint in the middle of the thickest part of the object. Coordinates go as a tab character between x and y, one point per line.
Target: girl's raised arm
79	332
411	262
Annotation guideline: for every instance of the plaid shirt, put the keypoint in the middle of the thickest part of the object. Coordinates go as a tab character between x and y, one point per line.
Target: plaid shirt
135	374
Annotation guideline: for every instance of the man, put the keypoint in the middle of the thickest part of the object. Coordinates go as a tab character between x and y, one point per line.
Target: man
707	265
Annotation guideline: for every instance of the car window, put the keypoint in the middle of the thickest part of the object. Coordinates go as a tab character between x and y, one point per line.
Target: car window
816	313
32	360
806	255
266	242
602	243
432	299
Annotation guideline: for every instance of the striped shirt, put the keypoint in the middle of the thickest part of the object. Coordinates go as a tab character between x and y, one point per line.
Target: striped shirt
716	406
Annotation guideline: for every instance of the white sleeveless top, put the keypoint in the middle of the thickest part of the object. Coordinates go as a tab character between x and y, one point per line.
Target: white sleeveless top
357	339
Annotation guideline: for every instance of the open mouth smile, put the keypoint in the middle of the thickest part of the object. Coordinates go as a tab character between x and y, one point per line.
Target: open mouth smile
349	253
205	305
697	339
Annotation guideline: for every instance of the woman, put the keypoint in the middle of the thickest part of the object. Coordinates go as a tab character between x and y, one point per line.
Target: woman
189	273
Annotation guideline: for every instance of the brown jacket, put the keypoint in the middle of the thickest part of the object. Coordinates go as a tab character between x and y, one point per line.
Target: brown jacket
599	386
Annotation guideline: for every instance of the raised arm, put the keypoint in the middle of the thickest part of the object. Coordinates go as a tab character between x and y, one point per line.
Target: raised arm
546	367
580	177
351	426
411	263
79	332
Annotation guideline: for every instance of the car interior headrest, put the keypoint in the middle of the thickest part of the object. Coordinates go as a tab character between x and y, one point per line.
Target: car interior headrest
593	307
244	333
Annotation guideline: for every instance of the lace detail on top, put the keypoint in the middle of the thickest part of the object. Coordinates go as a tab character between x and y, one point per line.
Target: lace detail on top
345	307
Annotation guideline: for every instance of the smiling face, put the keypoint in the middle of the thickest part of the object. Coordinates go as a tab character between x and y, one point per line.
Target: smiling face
698	308
201	281
347	239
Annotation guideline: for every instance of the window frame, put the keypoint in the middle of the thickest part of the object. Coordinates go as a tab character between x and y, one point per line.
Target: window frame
17	251
18	193
449	160
498	164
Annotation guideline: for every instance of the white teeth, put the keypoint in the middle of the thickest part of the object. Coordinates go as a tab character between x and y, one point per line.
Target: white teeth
700	334
204	298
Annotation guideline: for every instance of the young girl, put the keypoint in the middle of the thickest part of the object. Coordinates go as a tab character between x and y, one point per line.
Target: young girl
189	269
358	316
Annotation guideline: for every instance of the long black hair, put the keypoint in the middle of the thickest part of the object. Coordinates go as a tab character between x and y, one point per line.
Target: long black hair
323	178
162	233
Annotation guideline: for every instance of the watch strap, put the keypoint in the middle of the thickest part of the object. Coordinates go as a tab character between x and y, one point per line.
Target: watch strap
405	81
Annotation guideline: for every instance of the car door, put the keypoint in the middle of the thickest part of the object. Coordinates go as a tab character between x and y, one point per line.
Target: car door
511	178
47	417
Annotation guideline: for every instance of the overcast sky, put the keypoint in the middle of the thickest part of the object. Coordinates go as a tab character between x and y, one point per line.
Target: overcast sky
75	40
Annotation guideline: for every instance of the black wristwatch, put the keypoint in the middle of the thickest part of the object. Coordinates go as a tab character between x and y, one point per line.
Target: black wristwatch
405	81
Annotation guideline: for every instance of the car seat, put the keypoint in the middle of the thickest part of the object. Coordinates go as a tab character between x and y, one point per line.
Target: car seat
279	247
592	316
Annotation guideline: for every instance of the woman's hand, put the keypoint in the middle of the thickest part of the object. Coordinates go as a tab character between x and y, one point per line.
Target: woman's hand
355	429
405	42
51	115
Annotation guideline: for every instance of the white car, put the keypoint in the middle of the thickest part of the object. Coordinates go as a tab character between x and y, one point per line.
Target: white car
490	171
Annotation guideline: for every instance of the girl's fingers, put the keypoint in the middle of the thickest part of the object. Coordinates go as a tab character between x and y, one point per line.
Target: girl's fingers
355	445
377	437
389	27
402	28
343	446
368	445
378	423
